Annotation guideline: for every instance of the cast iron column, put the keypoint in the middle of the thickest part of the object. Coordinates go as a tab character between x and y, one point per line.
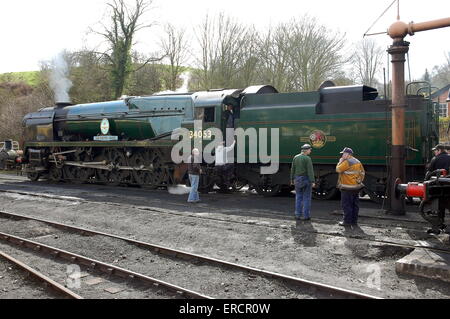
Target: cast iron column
398	51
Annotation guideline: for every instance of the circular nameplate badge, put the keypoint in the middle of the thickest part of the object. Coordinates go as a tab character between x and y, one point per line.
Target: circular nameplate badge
318	139
104	126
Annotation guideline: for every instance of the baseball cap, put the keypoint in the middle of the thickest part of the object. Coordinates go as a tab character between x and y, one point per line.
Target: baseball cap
347	150
438	147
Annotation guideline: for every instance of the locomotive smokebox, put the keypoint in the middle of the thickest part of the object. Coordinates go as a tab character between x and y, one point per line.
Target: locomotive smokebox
63	104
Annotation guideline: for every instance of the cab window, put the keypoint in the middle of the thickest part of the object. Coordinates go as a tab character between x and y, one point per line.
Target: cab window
205	114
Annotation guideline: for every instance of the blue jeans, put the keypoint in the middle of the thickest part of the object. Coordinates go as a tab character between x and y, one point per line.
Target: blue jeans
350	206
193	194
303	193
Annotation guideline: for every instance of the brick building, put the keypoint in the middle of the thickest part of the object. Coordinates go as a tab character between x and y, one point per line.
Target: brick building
442	96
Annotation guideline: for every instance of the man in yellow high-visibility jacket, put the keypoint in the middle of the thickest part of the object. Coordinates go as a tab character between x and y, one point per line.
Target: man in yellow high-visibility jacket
351	175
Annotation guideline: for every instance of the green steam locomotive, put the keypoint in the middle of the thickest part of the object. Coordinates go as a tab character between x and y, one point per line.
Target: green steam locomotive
130	141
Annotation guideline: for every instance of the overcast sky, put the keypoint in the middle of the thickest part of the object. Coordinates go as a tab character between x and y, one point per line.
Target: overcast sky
33	31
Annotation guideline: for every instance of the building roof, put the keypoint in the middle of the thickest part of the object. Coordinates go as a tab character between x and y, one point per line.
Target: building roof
441	91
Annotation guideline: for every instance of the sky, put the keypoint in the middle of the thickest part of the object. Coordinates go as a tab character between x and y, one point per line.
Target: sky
33	31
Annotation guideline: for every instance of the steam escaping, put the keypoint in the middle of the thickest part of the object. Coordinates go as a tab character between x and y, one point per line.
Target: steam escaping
186	77
59	78
179	190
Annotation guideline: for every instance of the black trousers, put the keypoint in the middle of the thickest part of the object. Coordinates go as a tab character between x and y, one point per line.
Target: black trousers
226	172
350	205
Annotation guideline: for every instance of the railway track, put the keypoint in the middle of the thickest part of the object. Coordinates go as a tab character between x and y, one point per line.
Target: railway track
264	214
152	209
93	266
395	220
270	278
41	277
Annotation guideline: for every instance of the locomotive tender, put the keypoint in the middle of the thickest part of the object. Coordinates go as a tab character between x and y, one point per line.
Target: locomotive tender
129	141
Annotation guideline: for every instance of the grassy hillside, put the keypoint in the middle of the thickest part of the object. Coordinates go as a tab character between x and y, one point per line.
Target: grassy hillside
30	78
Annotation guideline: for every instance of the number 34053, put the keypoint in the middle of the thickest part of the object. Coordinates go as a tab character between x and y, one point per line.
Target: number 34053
206	134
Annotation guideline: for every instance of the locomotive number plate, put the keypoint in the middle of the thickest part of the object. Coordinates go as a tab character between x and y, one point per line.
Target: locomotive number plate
206	134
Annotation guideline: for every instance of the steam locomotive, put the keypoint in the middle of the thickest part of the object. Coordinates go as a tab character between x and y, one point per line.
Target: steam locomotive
129	141
10	155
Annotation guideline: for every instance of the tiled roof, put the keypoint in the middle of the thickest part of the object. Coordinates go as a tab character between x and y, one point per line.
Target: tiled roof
441	91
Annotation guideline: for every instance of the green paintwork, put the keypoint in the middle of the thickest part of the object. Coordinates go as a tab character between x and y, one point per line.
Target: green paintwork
366	133
142	118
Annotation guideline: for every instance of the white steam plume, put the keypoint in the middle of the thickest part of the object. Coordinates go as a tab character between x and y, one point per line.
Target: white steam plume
185	76
59	78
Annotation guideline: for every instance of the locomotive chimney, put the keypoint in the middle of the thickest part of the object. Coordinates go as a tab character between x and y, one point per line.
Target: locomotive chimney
63	104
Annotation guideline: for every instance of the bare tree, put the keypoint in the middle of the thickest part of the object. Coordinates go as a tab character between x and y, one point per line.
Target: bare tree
147	79
274	58
441	74
367	61
226	51
175	49
316	53
120	36
299	55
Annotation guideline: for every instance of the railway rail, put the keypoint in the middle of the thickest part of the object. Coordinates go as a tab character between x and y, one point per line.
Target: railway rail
41	277
98	265
168	252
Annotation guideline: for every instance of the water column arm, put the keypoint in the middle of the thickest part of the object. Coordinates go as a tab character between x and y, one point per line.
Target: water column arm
401	29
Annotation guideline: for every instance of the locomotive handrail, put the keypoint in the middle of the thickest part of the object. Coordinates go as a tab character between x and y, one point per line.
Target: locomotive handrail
419	82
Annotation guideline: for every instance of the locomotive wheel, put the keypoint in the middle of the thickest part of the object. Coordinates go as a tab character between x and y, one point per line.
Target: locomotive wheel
326	188
158	172
286	190
120	176
374	196
237	184
141	177
206	184
55	174
102	176
70	173
268	190
84	174
325	194
34	177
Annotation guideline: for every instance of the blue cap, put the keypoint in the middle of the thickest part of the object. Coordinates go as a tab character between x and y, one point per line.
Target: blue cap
347	150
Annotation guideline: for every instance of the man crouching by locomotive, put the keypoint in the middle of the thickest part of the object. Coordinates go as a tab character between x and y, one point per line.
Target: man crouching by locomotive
351	175
302	176
441	160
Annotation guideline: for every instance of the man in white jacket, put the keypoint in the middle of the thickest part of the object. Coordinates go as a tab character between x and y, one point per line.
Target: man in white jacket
225	162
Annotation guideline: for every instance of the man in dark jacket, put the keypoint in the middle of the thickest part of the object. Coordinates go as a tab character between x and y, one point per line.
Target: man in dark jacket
441	160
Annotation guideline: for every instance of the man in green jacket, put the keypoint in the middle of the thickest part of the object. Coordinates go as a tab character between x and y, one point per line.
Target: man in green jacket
302	176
